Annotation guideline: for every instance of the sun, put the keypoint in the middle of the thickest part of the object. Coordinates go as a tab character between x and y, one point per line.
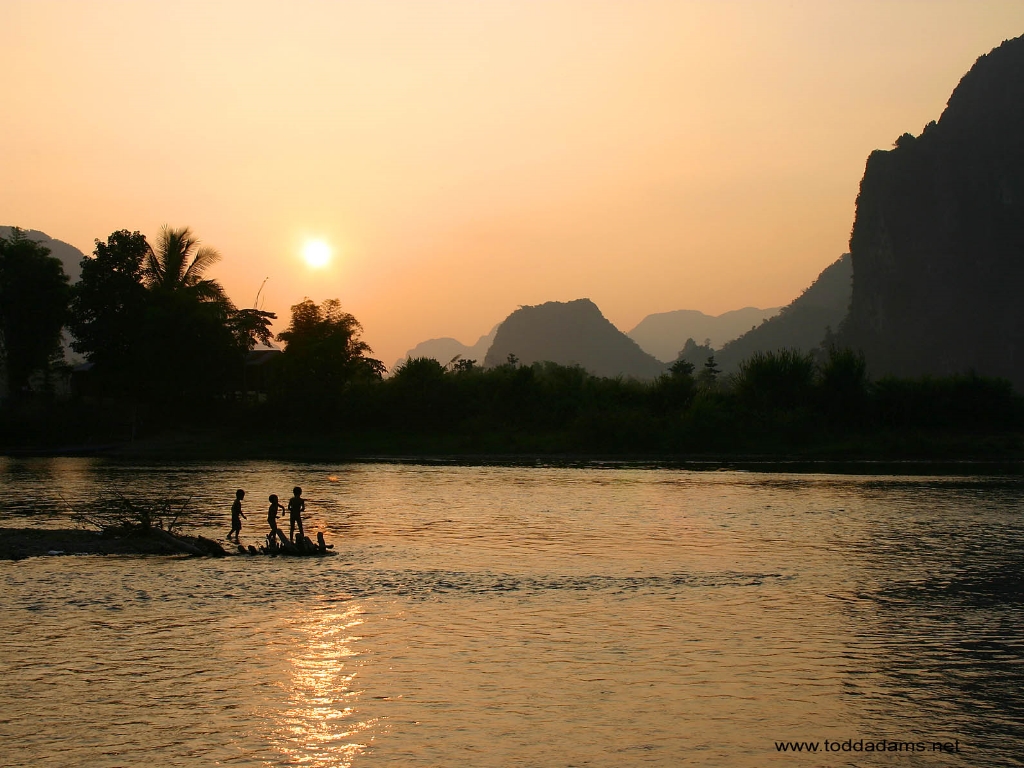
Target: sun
317	253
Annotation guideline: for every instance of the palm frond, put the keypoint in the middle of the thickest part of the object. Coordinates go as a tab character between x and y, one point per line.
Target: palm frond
153	265
205	258
210	290
174	249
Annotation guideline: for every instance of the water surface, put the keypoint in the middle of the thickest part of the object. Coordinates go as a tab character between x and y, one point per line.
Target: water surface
544	616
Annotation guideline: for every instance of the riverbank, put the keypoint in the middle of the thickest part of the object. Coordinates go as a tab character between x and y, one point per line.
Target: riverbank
877	452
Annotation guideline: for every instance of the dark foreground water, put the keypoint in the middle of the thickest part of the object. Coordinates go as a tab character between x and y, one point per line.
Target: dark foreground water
510	616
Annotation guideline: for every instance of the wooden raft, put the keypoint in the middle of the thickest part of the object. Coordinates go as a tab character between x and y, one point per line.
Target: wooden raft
279	545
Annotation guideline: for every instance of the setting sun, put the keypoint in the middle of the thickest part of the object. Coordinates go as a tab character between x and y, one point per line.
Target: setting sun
316	253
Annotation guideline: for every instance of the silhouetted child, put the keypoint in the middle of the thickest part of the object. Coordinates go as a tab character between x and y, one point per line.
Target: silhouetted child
296	506
272	514
236	515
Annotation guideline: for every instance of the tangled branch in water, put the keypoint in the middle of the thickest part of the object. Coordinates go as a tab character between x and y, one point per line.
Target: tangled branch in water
123	516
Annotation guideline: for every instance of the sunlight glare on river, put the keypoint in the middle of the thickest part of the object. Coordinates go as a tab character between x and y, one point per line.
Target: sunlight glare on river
502	615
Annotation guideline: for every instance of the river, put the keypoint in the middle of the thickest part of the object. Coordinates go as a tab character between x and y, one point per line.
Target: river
524	616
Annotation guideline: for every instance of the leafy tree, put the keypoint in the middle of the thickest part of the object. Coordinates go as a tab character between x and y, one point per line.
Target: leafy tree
843	383
419	370
324	352
675	389
189	351
776	380
33	308
108	311
708	377
421	392
460	364
250	326
681	368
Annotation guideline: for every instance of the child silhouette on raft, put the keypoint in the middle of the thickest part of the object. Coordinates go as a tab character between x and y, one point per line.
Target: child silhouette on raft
272	514
296	506
236	515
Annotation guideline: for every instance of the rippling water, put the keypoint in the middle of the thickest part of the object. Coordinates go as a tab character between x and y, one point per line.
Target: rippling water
541	616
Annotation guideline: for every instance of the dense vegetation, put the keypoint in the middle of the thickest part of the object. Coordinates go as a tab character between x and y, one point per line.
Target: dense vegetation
780	402
33	310
167	354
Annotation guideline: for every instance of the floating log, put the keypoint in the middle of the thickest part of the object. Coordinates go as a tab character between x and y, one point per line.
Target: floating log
210	547
179	545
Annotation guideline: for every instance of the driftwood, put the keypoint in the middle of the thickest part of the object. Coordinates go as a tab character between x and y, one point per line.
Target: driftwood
200	546
179	545
209	547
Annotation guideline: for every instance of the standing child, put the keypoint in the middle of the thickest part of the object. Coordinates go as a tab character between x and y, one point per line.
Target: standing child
236	515
296	506
272	514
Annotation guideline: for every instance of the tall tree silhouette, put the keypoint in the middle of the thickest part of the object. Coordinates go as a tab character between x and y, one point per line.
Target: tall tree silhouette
108	312
325	351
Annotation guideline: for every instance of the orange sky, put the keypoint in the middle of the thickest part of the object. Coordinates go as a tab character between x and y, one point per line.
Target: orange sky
464	158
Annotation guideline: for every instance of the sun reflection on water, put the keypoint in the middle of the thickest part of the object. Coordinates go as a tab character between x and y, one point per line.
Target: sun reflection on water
321	724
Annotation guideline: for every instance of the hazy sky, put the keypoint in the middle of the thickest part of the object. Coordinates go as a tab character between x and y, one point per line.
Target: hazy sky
464	158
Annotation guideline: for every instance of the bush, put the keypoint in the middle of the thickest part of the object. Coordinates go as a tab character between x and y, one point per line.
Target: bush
779	380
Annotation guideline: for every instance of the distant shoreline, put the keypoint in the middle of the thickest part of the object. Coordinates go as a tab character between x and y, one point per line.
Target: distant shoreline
944	457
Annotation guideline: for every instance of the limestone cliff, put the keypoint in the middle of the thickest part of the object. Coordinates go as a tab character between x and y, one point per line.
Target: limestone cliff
938	241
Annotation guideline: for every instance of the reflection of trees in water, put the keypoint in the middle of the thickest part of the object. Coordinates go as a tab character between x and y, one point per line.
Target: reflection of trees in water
941	620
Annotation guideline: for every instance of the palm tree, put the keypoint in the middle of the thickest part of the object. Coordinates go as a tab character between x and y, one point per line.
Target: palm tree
178	264
176	268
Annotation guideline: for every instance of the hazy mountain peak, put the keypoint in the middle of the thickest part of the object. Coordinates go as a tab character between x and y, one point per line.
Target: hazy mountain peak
663	334
570	333
446	349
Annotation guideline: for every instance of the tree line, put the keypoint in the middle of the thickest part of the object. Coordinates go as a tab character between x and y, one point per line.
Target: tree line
159	333
778	401
150	323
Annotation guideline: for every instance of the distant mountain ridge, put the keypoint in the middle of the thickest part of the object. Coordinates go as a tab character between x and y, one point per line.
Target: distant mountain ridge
446	349
568	333
664	334
802	324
